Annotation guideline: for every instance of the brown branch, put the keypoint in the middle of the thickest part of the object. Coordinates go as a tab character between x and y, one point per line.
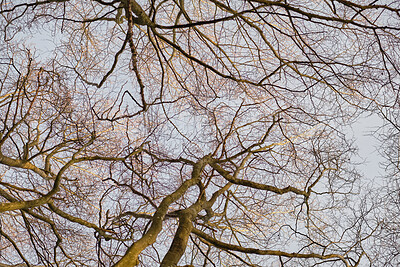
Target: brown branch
230	247
131	256
256	185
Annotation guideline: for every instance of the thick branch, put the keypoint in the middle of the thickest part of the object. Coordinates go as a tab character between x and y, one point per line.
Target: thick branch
256	185
226	246
131	256
180	240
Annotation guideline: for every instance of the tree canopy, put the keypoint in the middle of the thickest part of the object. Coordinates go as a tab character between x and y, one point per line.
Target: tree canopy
196	133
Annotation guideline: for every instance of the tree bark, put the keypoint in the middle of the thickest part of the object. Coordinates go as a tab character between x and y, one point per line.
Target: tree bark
180	240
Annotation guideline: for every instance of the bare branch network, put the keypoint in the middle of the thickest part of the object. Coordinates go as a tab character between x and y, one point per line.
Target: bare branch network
197	133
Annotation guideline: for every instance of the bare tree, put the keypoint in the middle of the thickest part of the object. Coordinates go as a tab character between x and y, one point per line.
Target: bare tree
197	133
385	212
